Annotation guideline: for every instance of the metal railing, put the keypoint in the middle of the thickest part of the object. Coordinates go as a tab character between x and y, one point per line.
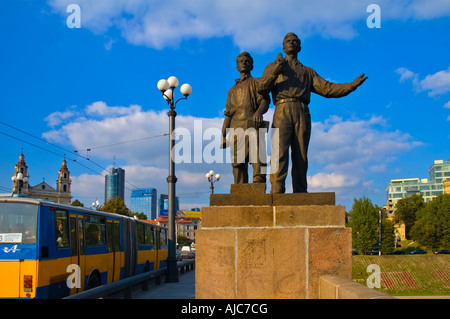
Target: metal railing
125	285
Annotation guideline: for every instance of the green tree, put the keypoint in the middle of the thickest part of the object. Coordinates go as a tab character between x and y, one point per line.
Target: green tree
183	240
432	227
76	202
406	209
387	234
425	232
116	206
363	220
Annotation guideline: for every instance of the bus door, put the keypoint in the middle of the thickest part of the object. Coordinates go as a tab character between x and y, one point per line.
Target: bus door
77	245
114	262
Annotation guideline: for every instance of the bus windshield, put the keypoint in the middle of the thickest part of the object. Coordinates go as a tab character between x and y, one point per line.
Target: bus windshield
18	223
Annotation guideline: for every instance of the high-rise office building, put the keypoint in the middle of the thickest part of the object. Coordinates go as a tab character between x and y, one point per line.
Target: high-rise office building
429	188
143	200
115	184
163	204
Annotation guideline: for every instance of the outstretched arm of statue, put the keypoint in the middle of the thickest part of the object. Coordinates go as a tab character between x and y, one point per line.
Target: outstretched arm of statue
359	80
330	89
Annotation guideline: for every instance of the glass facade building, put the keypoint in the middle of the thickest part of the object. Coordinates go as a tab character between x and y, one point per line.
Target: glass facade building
163	204
143	200
428	187
115	184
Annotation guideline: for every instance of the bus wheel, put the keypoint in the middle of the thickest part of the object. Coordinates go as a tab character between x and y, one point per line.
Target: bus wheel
94	280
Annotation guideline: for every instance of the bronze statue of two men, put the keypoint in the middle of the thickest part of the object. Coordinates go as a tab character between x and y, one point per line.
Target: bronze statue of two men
290	84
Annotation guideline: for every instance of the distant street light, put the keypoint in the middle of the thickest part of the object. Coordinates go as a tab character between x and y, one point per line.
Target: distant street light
21	179
210	177
167	89
96	205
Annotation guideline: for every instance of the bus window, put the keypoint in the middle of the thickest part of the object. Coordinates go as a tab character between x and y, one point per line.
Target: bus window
95	230
73	236
163	240
141	233
113	230
149	234
81	235
116	229
18	223
62	229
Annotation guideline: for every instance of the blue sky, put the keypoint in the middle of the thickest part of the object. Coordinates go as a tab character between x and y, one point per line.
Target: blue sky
95	86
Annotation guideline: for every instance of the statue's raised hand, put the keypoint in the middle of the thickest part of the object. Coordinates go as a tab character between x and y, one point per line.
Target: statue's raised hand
279	64
359	80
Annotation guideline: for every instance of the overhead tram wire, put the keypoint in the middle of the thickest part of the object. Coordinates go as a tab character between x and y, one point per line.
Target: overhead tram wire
47	142
71	152
5	189
125	142
47	150
63	156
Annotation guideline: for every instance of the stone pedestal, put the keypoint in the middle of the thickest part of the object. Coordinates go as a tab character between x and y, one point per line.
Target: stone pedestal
263	246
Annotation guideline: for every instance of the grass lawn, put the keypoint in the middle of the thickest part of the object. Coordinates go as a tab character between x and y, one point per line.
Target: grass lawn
407	275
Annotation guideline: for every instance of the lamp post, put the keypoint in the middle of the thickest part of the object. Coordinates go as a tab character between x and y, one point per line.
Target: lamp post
96	205
210	177
379	232
167	89
21	179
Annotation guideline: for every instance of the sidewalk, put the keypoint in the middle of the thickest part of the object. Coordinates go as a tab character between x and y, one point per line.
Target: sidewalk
184	289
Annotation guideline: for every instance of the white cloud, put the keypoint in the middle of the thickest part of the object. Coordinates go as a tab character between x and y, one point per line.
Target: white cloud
57	118
447	105
253	25
436	84
87	186
333	181
116	131
429	9
100	108
343	154
136	139
406	74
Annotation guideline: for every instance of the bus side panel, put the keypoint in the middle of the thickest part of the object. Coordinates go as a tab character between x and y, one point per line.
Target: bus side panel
52	267
146	253
53	278
163	251
162	258
46	232
96	259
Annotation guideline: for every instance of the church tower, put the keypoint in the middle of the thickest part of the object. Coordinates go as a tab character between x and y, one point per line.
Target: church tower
63	183
21	177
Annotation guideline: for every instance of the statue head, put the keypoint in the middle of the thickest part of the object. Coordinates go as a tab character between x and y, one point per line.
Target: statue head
244	62
291	43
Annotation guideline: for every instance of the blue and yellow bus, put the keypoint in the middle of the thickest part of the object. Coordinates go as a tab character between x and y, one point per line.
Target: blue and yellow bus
50	250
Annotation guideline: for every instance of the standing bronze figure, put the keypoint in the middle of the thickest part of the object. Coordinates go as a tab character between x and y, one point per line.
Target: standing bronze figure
244	110
291	84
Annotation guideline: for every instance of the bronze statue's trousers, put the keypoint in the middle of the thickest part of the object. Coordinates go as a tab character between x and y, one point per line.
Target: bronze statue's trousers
240	163
292	119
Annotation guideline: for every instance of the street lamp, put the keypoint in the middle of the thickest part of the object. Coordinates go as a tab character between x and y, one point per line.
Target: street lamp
21	179
167	88
210	177
96	205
